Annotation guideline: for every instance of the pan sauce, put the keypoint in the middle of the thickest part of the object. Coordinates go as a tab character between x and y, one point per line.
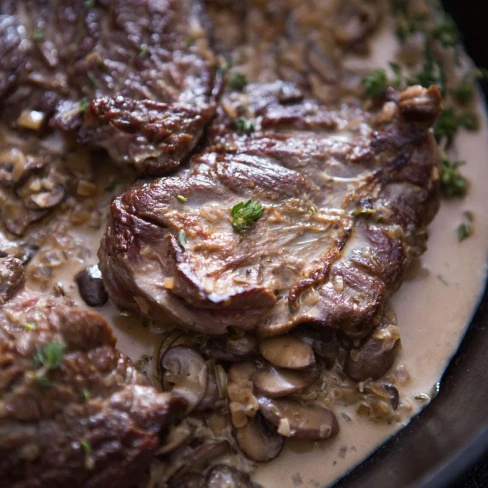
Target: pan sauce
433	309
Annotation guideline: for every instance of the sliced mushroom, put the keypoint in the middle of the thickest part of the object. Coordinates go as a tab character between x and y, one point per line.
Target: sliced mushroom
185	373
91	287
212	395
240	373
194	460
296	420
275	383
372	360
232	350
221	476
176	437
172	338
258	441
287	352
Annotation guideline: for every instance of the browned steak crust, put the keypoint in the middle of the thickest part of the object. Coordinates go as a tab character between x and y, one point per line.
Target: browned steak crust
144	64
347	196
90	422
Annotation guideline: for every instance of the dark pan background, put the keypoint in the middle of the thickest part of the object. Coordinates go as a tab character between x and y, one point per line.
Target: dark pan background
447	445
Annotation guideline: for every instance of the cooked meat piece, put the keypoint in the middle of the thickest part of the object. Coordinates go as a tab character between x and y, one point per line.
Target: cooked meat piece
346	194
73	410
301	42
144	66
12	278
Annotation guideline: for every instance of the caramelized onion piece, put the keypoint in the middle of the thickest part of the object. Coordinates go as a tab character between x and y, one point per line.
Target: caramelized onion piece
258	441
296	420
287	352
275	383
185	373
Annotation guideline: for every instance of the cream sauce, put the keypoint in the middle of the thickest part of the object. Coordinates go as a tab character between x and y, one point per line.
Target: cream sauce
453	273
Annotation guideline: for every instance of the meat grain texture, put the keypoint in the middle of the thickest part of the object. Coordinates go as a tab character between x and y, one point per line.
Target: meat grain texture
347	196
92	420
132	77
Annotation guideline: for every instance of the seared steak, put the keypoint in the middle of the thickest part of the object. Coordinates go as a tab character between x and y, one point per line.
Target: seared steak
73	410
144	65
347	195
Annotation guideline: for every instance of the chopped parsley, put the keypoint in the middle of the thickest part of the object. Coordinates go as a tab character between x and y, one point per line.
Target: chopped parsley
182	238
29	327
453	183
111	185
181	198
83	104
38	35
375	83
464	91
469	121
244	126
237	81
46	359
447	32
246	214
432	74
363	211
87	448
447	125
464	231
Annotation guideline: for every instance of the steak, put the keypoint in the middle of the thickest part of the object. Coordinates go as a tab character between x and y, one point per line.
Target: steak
347	196
73	410
144	66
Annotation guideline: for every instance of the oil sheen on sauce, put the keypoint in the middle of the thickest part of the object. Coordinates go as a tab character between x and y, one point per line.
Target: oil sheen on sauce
451	273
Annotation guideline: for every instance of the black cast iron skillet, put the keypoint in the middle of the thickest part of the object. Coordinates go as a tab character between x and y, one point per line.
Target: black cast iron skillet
451	434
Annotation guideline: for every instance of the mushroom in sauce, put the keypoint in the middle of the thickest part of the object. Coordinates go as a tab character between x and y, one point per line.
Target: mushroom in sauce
287	352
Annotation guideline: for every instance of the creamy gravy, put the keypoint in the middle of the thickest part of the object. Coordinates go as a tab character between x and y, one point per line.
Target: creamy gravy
433	310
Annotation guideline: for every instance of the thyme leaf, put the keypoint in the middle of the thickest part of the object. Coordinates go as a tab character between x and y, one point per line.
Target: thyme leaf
237	81
453	183
375	83
246	214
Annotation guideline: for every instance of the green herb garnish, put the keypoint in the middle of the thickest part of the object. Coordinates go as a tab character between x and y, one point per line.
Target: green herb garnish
46	359
29	327
237	81
464	231
246	214
181	198
376	83
446	126
86	394
111	185
38	35
447	32
89	4
453	183
432	74
313	209
363	211
244	126
87	448
83	104
464	92
189	41
469	121
182	238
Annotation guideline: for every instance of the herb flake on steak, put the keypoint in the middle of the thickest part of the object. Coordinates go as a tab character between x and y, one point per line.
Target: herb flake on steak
371	178
73	410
